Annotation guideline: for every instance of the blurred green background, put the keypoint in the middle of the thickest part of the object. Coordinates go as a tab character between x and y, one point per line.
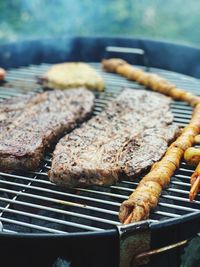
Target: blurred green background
172	20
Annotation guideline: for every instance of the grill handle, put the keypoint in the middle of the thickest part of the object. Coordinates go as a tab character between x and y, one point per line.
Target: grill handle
130	50
150	253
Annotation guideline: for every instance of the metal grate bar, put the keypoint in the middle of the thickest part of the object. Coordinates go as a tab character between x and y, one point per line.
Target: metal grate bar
59	201
32	226
59	193
171	215
55	191
9	231
42	207
176	207
45	218
179	199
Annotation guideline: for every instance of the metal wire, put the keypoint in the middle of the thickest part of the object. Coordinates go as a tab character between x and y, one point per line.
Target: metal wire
29	202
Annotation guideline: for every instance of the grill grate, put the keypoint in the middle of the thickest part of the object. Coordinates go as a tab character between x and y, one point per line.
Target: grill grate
30	203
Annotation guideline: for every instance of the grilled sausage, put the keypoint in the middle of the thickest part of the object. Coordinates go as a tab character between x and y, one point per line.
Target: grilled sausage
146	195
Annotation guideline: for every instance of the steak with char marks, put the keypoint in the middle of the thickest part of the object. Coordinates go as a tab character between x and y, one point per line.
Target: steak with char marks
29	125
130	135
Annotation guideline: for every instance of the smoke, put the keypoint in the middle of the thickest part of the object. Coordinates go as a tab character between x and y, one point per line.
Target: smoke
143	18
41	18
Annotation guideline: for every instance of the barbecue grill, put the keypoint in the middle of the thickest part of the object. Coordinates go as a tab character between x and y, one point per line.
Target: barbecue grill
47	225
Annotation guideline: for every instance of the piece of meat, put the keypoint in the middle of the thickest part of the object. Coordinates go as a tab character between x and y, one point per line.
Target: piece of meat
72	74
145	149
37	122
127	137
11	108
2	74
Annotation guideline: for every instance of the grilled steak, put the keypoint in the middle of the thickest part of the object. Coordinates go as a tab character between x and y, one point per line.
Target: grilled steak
127	137
34	123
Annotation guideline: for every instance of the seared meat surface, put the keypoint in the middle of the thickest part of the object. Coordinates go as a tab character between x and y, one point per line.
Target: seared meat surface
11	108
28	125
127	137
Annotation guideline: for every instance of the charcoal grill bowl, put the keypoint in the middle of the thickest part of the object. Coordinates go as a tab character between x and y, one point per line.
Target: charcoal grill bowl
170	56
95	249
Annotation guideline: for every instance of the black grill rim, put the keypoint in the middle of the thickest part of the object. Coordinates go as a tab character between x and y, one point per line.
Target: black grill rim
161	54
111	232
154	227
